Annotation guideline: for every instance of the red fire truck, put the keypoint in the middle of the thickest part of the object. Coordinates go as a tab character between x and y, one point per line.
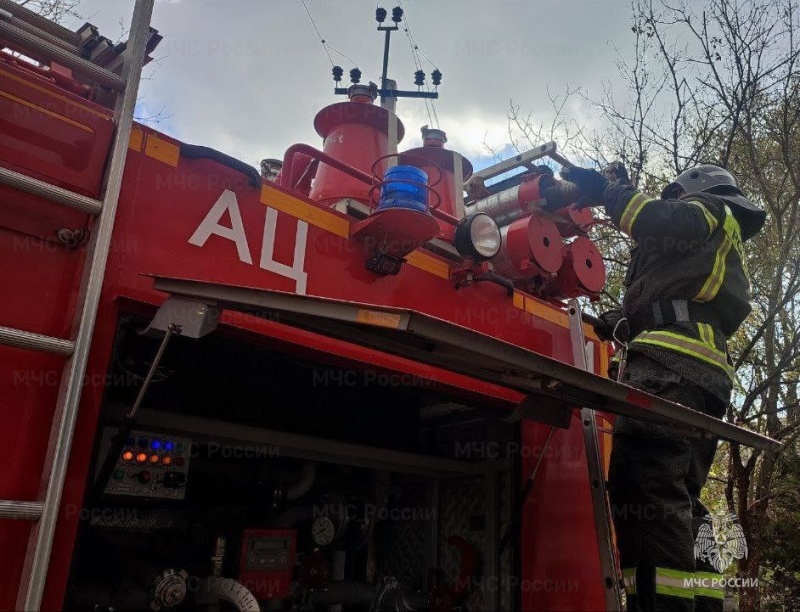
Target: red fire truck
358	380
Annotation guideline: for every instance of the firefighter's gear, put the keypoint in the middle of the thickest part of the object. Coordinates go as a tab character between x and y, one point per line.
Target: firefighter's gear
591	183
718	181
655	478
613	326
616	171
687	291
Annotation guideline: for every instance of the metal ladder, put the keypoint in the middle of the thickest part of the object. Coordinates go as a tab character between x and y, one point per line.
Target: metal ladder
34	34
602	518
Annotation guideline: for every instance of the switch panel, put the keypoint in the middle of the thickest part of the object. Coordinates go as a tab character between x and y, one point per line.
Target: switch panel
149	465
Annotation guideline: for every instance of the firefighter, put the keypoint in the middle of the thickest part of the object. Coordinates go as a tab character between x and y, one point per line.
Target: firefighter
686	292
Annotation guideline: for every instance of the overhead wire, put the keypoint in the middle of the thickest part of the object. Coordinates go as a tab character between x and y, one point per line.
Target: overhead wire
415	52
415	56
316	29
327	47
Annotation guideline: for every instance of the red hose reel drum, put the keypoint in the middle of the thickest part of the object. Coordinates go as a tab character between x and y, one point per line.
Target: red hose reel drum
578	221
583	271
531	247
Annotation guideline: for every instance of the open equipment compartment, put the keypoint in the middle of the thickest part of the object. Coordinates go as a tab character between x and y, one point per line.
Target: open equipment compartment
313	483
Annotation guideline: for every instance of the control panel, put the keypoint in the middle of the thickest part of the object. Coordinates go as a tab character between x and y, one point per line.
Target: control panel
149	465
268	558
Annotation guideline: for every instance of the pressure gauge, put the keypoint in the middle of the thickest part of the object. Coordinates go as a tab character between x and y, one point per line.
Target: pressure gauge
323	531
215	588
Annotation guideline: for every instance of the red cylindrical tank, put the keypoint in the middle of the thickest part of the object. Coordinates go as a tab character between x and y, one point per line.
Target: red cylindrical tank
583	271
357	133
531	247
453	167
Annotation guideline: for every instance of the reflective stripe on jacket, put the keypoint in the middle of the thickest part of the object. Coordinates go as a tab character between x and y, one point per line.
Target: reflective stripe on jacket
686	249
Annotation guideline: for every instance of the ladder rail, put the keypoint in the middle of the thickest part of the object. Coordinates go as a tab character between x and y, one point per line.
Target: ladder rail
597	484
41	540
41	23
34	31
32	43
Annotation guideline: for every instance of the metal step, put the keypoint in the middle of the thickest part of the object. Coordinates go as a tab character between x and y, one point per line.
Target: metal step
35	342
20	510
50	192
29	42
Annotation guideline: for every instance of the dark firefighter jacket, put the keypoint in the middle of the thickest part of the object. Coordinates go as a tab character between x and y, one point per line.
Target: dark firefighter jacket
690	250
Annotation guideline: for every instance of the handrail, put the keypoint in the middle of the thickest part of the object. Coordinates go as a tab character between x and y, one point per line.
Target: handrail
295	149
300	148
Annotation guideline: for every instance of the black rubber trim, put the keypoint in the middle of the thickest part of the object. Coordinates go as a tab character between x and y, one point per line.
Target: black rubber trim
200	152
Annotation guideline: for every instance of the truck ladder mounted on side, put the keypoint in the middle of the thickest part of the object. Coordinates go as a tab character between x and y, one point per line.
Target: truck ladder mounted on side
594	463
26	31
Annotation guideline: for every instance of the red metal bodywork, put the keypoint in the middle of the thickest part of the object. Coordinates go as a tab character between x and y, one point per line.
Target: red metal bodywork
202	220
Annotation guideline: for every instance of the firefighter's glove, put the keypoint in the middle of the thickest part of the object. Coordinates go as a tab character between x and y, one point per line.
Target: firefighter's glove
616	172
614	327
591	185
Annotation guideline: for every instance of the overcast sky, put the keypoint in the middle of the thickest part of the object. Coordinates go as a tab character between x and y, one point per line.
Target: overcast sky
247	76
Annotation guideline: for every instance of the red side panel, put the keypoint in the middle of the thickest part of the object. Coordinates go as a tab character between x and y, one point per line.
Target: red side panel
560	557
198	219
51	134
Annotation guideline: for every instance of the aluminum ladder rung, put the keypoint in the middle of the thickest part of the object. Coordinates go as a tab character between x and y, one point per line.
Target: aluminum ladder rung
35	342
42	23
20	510
27	41
50	192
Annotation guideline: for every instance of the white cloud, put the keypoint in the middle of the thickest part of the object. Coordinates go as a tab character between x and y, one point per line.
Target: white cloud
248	76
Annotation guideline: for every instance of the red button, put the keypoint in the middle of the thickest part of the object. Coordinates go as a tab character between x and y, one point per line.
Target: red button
178	461
144	477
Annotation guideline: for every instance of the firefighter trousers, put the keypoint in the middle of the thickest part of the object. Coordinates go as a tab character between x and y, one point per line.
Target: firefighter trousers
655	479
